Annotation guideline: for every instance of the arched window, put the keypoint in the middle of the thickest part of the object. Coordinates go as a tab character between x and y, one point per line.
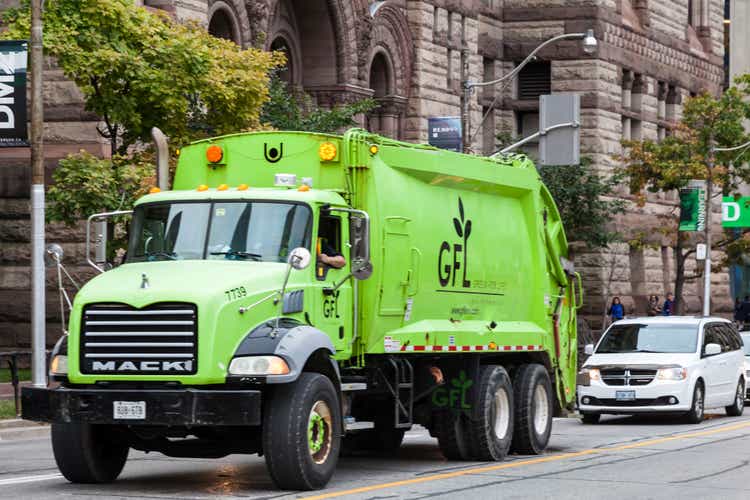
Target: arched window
222	25
287	73
380	76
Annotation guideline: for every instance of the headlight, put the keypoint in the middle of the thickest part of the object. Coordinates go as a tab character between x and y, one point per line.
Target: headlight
258	365
59	365
678	373
586	375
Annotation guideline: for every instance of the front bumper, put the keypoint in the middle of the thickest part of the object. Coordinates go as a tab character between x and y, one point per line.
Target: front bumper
650	398
178	407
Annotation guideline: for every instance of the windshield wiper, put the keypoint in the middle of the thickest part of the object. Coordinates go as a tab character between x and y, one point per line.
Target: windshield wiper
171	256
237	253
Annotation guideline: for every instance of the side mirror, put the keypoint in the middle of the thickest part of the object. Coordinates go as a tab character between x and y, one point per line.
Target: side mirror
299	258
53	255
359	238
711	349
588	349
100	241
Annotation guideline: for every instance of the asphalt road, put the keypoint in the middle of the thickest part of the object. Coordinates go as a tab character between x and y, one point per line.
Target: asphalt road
622	457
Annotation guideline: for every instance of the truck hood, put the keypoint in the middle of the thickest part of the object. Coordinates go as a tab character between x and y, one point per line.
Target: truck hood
641	358
143	283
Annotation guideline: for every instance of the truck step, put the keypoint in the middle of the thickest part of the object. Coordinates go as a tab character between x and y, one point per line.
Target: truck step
358	426
405	385
353	386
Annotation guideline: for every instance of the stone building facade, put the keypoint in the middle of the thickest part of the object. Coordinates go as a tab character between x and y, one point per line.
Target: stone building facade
408	55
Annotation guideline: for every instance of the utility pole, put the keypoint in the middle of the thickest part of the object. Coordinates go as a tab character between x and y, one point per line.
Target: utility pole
38	326
707	269
465	101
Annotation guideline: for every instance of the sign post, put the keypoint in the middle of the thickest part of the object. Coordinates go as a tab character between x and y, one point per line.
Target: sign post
13	57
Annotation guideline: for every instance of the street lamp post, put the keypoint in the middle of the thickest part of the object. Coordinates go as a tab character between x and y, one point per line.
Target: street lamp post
712	150
589	47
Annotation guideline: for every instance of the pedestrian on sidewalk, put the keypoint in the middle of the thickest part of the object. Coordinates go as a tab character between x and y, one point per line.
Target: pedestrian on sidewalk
616	311
668	307
738	315
653	306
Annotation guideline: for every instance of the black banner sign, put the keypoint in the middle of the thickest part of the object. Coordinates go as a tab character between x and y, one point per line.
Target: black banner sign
13	57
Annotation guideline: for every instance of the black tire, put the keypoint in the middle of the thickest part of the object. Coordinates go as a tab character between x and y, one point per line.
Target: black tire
491	434
696	413
532	393
590	418
736	408
450	428
292	459
88	453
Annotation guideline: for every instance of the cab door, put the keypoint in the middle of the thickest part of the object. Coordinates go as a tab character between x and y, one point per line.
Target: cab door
333	295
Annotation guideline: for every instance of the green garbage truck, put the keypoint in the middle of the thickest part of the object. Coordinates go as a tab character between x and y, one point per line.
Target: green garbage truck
301	295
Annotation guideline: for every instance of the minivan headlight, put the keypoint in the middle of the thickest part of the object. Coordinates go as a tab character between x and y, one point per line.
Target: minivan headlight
678	373
258	366
586	375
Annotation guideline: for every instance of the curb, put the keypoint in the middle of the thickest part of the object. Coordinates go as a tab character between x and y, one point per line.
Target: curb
17	429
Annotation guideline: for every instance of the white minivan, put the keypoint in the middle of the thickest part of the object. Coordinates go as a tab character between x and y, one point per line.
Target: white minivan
663	364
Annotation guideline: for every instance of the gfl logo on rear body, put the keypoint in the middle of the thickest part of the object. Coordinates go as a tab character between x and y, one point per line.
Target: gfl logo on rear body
452	259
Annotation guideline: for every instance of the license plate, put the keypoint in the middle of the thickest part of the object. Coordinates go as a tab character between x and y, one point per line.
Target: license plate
625	395
129	410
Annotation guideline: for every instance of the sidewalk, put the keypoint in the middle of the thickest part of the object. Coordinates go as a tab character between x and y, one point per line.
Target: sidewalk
15	428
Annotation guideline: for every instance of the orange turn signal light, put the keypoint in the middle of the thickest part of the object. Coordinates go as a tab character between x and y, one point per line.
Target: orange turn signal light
242	187
214	153
154	190
202	187
222	187
303	188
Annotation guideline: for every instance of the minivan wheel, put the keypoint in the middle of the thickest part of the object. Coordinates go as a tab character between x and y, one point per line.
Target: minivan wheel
696	413
736	409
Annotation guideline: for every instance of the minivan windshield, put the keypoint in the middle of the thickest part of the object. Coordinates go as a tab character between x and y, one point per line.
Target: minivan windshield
746	342
666	338
255	231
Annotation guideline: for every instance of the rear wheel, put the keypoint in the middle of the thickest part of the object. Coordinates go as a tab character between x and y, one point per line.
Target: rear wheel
490	435
451	431
302	433
532	393
736	408
695	415
88	453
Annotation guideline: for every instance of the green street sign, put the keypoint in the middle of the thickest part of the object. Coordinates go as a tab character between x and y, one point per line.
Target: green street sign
692	209
735	212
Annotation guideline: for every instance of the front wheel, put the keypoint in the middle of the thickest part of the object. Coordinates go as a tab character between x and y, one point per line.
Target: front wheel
695	415
302	433
736	408
87	453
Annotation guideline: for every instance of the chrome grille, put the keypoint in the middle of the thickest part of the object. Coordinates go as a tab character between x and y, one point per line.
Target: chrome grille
158	339
627	376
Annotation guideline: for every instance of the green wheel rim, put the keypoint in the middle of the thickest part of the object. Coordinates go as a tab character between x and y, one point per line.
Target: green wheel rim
319	432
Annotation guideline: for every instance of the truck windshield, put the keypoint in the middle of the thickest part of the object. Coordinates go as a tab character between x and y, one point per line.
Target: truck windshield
649	338
254	231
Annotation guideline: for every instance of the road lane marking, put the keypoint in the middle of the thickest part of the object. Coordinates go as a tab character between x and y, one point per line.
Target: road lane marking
29	479
519	463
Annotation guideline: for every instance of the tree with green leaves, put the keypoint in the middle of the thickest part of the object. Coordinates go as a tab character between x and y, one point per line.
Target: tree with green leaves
139	68
584	199
289	109
708	122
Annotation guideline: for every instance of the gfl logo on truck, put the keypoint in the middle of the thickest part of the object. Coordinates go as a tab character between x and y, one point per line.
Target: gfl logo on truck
452	256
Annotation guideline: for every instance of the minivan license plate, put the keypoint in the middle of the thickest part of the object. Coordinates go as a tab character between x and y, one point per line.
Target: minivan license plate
625	395
129	410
